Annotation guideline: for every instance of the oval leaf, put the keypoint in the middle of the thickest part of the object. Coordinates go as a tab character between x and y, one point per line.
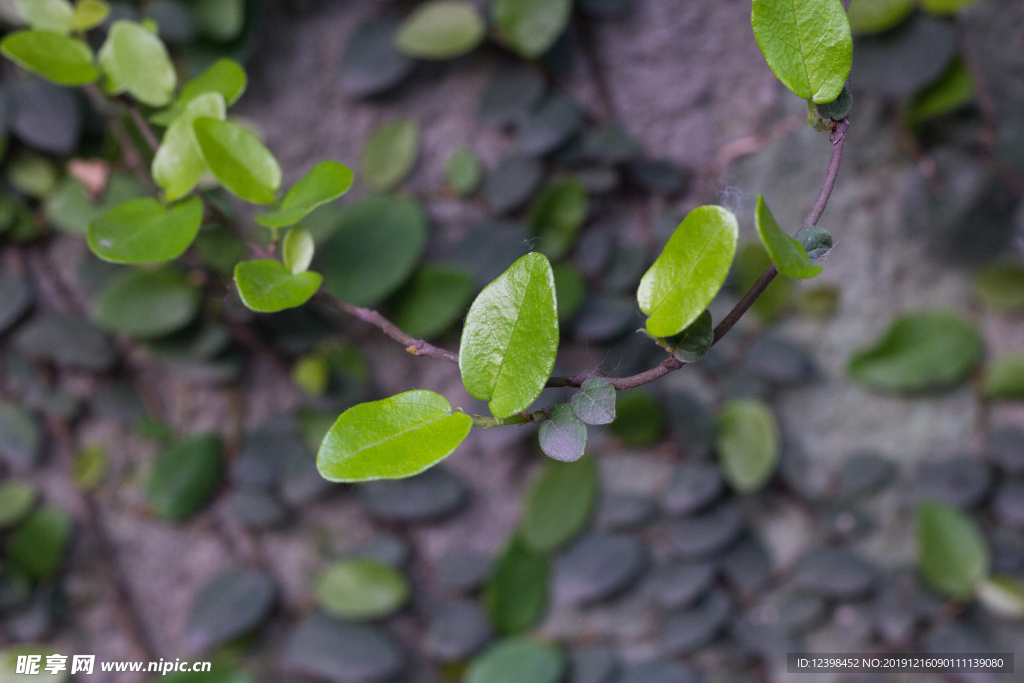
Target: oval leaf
464	172
143	231
135	60
559	504
147	304
952	554
89	14
37	547
530	27
594	403
875	16
267	286
179	163
1001	287
324	183
748	444
807	44
435	297
390	153
690	270
56	58
556	216
185	477
441	29
46	15
225	76
297	250
510	337
517	660
238	160
1004	377
393	438
788	255
563	436
516	595
361	589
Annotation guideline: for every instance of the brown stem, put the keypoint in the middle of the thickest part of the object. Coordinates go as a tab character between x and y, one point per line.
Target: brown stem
143	125
417	347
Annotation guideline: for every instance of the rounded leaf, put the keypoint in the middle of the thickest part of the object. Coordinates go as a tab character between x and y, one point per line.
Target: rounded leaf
57	58
297	250
392	438
1004	377
147	304
747	444
563	436
47	15
441	29
225	76
530	27
267	286
89	14
788	255
16	500
238	160
517	660
951	552
556	216
1001	287
179	163
231	605
135	60
37	547
324	183
435	297
594	403
516	594
875	16
361	589
143	231
390	153
464	172
185	477
559	504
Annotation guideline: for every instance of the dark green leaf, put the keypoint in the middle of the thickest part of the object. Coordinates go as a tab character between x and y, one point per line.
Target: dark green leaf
464	172
134	60
875	16
815	241
1001	287
435	297
361	589
559	503
550	127
751	261
789	256
185	477
21	440
516	595
570	290
324	183
66	341
511	94
838	109
39	544
220	20
267	286
695	340
530	27
441	29
951	552
953	90
748	444
143	231
512	182
390	153
231	605
57	58
16	499
556	216
147	304
640	420
510	337
920	352
563	436
371	63
1004	377
393	438
594	403
238	160
517	660
179	163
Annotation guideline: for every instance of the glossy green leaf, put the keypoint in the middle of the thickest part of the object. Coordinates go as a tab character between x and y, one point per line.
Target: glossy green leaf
143	231
570	290
431	302
945	7
530	27
390	153
267	286
559	504
393	438
374	249
510	337
135	60
147	304
464	172
185	477
39	544
788	255
751	261
297	250
1004	377
920	352
179	164
361	589
441	29
16	500
563	436
225	77
556	216
954	89
951	552
89	14
1003	596
324	183
56	16
238	160
692	343
594	403
57	58
1001	287
807	44
875	16
516	595
747	444
517	660
690	270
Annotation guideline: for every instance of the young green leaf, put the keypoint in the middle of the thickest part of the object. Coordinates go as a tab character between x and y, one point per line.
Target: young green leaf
594	403
807	44
1004	377
57	58
390	153
179	164
435	297
563	436
530	27
953	90
225	76
510	337
143	231
56	16
517	660
951	552
516	594
267	286
16	500
361	589
559	504
135	60
185	477
920	352
89	14
557	214
324	183
147	304
441	29
38	546
788	255
392	438
875	16
691	345
464	172
748	444
297	250
1001	287
690	270
238	160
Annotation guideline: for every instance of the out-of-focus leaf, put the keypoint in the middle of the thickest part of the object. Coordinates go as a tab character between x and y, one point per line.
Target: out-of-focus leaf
748	444
951	552
441	29
57	58
143	231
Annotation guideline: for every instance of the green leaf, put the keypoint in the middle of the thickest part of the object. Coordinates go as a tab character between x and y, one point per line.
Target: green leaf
747	444
32	174
90	465
435	297
1004	377
220	20
224	77
361	589
516	594
951	552
57	58
238	160
464	172
751	261
530	27
393	438
563	436
559	504
267	286
89	14
37	547
147	304
557	214
517	660
945	7
324	183
693	342
47	15
788	255
143	231
510	337
136	61
954	89
594	403
570	290
16	500
179	164
640	420
71	209
875	16
807	44
376	246
185	477
1003	596
297	250
441	29
1001	287
390	153
920	352
690	270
